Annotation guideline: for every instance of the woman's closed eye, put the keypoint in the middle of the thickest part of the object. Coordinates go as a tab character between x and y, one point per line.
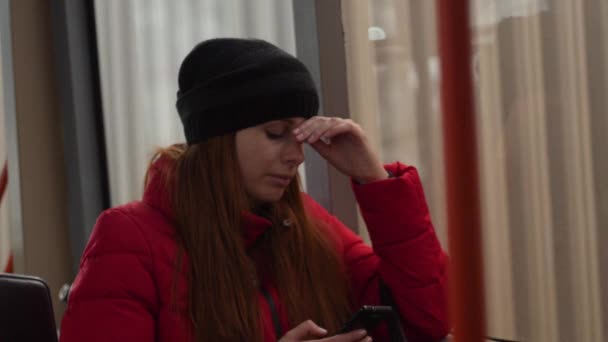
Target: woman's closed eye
275	134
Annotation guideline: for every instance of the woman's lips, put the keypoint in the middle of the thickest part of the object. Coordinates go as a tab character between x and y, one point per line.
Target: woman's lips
281	180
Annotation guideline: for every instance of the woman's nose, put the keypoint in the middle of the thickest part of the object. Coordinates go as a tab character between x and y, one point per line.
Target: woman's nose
294	152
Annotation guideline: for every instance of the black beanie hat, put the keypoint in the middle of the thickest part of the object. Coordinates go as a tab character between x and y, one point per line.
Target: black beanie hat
227	84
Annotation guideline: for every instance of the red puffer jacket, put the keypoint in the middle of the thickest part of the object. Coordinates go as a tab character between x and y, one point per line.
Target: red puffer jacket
123	290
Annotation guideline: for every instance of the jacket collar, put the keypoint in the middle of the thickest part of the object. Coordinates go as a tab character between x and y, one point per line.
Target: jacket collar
157	195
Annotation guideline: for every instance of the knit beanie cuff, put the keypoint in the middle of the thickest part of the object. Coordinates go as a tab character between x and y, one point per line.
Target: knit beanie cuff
249	112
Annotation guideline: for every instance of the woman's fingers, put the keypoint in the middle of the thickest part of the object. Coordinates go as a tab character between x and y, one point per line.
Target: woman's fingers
337	129
310	130
356	335
323	143
323	128
309	331
320	131
343	143
305	330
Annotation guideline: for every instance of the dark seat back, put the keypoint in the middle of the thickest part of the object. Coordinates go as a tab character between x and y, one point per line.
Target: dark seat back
26	310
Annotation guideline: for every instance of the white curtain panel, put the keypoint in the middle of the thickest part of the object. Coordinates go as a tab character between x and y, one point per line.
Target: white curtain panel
490	12
141	45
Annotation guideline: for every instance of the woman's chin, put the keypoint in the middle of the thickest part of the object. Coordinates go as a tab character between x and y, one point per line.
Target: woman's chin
271	196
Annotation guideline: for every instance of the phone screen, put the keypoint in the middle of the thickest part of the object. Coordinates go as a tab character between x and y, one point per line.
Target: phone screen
368	317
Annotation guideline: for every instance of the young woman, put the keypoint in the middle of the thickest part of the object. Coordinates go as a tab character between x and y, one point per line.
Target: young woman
224	246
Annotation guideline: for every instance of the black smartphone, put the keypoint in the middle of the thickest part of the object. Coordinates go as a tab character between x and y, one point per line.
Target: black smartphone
368	317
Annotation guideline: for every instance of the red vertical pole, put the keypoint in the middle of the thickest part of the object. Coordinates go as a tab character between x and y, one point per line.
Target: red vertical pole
9	265
3	180
460	152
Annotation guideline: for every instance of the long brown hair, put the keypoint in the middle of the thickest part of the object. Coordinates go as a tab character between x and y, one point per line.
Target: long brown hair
208	198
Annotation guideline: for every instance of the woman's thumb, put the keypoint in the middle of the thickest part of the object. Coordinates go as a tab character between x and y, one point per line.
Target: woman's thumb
306	329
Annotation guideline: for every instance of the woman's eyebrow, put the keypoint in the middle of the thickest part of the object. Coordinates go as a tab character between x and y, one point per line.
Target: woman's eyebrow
279	124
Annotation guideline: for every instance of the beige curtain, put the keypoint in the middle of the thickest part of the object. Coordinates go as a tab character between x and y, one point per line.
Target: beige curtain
5	241
541	77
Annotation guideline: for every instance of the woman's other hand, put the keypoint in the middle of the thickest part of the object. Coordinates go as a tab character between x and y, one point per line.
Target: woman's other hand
343	143
309	331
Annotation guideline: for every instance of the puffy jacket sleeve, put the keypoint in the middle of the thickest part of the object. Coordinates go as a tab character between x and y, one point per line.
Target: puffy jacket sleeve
406	255
113	297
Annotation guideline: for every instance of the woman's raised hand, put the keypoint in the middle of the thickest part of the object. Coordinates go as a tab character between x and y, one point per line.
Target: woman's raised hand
342	142
309	331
